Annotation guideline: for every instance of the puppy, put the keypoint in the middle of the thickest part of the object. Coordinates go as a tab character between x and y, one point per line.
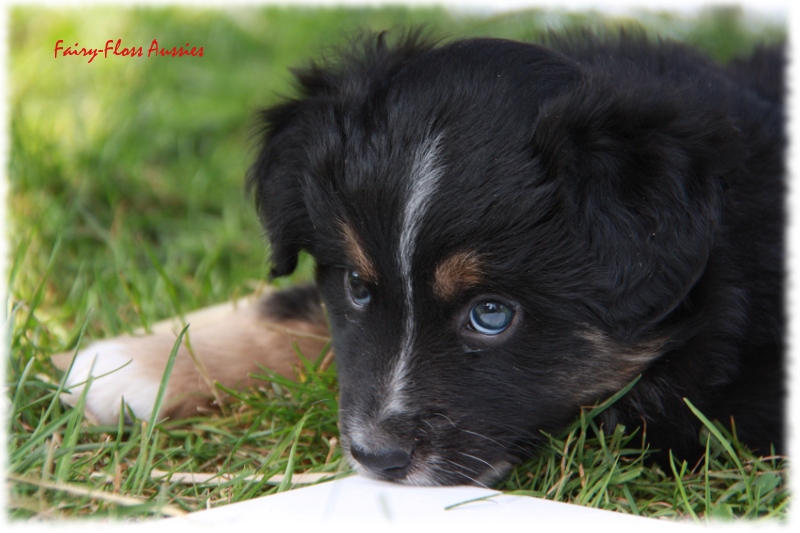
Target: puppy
504	233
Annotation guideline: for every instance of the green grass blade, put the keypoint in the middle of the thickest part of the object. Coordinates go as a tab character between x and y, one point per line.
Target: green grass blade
723	441
287	480
681	488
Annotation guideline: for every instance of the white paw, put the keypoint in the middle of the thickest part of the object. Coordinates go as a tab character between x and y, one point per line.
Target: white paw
116	379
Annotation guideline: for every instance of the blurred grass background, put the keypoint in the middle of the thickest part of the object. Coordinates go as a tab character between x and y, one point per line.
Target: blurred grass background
126	206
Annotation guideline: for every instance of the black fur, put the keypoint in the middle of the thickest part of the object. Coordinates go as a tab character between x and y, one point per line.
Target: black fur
297	303
625	197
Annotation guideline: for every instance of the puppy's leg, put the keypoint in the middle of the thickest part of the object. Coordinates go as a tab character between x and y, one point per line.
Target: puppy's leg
228	341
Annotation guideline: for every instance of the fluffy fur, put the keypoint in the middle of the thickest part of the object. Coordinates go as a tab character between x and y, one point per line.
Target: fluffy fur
620	199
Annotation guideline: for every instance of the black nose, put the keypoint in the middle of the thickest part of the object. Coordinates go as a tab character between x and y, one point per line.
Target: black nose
387	462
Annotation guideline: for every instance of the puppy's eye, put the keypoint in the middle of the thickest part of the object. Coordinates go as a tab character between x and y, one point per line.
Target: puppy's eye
490	318
358	290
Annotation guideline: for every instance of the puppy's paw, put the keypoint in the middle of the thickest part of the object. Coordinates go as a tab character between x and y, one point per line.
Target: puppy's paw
116	379
225	344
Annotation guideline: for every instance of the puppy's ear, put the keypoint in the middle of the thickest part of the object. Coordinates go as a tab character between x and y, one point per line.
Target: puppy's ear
275	178
294	137
643	176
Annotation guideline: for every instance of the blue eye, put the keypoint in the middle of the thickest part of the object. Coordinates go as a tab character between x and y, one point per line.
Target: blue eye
491	318
358	290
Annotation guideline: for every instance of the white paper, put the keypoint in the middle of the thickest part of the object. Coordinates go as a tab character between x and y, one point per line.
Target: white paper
363	504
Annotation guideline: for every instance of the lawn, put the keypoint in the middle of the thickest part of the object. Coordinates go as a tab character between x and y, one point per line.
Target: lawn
126	206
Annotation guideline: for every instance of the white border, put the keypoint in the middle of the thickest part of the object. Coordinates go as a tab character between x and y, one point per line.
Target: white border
771	9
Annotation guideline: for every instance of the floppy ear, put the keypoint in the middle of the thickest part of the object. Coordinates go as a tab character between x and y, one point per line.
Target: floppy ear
275	180
644	176
292	140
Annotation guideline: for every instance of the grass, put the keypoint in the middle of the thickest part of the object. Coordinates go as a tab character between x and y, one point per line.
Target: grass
126	207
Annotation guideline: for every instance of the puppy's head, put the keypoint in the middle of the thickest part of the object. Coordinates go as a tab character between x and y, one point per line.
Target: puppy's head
487	241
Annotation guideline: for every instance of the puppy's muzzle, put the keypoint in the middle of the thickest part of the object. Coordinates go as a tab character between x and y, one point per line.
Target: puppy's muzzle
391	463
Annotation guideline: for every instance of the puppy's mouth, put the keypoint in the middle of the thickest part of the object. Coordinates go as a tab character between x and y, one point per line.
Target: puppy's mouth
423	463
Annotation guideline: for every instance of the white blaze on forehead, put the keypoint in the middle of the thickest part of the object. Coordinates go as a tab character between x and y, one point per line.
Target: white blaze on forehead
422	184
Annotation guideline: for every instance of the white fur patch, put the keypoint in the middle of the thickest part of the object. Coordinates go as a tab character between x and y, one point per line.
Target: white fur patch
116	379
422	184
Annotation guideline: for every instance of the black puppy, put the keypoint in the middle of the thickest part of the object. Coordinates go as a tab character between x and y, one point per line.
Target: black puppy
506	232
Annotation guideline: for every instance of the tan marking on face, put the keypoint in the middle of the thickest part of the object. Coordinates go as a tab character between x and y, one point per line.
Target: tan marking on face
617	364
637	354
355	251
457	272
